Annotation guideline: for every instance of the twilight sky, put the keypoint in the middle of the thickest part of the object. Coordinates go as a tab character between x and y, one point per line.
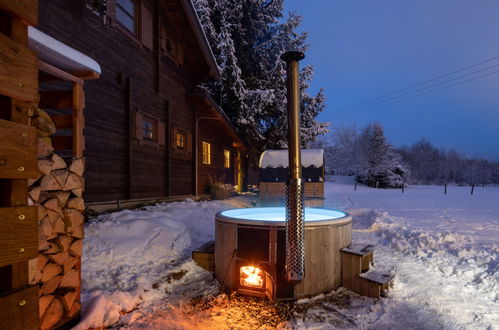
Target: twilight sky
365	49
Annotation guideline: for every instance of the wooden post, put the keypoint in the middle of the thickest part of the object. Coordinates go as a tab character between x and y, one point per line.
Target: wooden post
445	189
78	120
355	186
472	188
18	220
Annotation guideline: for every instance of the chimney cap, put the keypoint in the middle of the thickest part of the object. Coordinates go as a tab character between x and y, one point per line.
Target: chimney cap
292	56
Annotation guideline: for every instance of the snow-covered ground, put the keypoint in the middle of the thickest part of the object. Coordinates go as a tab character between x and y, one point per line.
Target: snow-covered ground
137	271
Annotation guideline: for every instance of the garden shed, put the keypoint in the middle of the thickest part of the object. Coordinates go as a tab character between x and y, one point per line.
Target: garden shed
274	171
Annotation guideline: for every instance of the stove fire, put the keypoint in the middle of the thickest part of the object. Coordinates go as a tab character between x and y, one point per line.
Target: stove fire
251	276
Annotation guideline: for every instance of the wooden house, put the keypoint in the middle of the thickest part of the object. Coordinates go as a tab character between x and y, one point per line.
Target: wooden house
98	99
149	132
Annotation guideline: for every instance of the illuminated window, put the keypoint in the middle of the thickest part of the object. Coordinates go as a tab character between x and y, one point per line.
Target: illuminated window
148	129
180	140
206	153
226	158
126	14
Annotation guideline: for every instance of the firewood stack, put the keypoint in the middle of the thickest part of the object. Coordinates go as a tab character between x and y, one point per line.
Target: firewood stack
57	193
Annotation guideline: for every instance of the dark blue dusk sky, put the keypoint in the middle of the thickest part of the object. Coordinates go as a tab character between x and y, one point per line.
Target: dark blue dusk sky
366	49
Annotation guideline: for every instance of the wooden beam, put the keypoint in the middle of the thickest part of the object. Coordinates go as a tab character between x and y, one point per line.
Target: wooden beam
18	74
18	236
86	75
78	120
58	73
17	151
27	10
20	309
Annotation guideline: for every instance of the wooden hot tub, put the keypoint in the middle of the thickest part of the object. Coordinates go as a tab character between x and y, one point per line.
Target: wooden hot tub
250	251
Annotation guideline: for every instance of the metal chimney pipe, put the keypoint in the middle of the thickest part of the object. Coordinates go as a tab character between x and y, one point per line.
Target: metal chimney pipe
295	224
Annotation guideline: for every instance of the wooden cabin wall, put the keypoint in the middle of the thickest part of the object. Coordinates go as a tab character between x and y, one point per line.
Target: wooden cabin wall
214	134
128	73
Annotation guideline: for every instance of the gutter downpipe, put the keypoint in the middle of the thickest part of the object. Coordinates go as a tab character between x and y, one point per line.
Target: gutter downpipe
295	222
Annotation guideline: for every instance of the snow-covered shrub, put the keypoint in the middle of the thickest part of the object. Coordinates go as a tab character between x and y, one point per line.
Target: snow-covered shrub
220	190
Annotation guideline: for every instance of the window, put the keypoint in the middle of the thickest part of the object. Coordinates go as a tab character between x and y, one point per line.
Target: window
171	47
132	17
226	158
148	129
206	153
126	14
180	140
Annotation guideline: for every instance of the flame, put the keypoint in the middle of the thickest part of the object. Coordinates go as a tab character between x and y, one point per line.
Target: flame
251	276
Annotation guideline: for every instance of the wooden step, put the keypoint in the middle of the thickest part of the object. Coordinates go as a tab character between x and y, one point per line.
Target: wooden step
360	249
356	275
374	282
205	256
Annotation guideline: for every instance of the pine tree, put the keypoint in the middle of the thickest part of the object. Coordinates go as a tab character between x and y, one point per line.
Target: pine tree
247	38
379	165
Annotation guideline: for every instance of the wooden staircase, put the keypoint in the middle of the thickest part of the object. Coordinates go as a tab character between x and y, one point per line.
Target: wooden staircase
356	275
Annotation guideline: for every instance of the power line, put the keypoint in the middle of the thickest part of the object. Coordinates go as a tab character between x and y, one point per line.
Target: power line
417	90
421	89
413	96
389	96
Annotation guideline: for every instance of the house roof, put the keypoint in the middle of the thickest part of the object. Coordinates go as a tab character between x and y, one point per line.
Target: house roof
211	109
279	158
201	38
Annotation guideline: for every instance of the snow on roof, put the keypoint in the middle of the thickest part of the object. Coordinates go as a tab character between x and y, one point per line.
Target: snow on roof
279	158
58	54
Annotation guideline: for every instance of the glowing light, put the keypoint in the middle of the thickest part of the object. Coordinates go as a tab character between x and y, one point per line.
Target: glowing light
279	214
251	276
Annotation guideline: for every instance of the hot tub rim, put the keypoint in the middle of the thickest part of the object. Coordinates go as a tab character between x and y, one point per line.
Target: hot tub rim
346	219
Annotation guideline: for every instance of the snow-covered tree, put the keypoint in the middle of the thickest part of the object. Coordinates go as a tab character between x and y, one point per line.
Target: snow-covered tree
379	165
247	38
343	155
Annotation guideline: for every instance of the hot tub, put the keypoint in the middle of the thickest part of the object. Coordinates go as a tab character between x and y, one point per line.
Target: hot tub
250	251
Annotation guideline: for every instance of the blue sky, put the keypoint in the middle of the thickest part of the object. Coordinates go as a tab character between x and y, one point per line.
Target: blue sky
364	49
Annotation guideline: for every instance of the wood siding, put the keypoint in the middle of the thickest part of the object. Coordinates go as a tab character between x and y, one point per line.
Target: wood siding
212	131
134	78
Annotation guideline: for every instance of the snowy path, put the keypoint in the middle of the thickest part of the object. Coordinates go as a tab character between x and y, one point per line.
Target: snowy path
138	273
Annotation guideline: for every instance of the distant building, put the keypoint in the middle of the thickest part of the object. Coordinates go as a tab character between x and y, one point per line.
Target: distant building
274	171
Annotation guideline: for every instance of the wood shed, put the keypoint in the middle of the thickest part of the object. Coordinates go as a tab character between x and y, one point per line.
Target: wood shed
274	171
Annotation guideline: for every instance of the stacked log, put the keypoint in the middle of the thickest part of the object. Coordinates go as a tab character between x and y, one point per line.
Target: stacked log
57	193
